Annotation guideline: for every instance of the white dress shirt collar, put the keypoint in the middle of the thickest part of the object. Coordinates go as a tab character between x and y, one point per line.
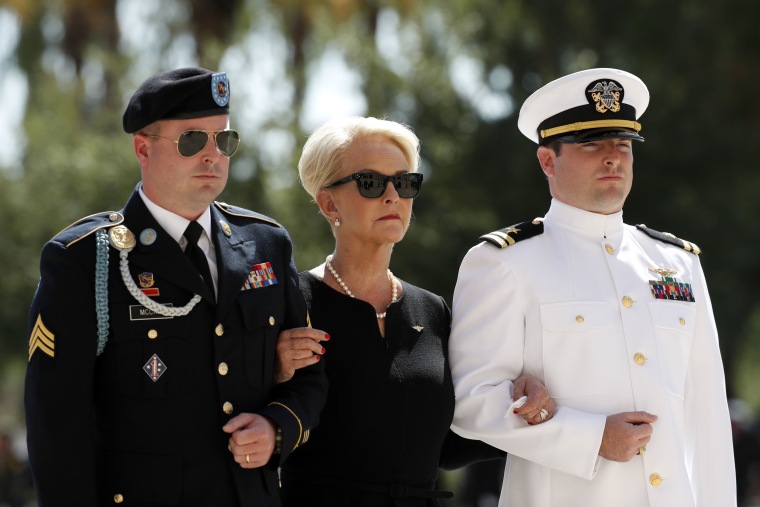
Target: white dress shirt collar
174	224
585	223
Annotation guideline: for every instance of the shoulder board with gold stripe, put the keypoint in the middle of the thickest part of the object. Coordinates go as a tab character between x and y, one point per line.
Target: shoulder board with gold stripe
87	225
508	236
236	211
667	237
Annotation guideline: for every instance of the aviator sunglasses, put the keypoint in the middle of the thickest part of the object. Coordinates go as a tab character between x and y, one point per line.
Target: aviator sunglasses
192	142
372	185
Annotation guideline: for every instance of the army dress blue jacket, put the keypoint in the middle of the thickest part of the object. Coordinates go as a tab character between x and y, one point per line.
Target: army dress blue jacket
141	423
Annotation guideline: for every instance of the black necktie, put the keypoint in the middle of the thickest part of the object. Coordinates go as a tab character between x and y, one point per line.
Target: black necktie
196	255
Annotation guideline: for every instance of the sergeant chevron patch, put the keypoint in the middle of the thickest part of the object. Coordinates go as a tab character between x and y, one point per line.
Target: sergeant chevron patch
41	339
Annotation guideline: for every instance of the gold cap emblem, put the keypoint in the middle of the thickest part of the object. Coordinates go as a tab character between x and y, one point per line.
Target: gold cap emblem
606	95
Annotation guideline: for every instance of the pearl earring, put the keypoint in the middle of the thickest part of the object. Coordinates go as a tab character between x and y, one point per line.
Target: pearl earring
337	222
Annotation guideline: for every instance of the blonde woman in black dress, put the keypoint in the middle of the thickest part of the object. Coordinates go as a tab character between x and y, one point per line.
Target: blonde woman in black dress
384	432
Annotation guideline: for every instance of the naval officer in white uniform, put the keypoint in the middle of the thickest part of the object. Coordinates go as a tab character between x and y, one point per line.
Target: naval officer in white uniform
615	319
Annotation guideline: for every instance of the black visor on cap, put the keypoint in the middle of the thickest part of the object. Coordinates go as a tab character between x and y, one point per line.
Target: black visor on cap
586	136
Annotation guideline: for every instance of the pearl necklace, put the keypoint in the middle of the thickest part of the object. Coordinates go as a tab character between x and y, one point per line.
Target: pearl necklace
394	288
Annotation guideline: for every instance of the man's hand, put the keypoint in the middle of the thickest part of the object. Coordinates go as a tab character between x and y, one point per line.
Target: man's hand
252	440
297	348
625	435
538	399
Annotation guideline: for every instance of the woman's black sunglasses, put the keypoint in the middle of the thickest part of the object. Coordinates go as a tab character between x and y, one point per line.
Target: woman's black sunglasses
372	185
192	142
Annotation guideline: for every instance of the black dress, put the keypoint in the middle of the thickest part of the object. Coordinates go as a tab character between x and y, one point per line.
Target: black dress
385	429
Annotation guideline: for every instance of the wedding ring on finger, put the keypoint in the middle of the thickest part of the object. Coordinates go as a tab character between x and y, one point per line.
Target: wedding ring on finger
247	458
544	414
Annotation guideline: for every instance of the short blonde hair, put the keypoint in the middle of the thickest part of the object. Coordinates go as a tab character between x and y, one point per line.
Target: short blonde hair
324	151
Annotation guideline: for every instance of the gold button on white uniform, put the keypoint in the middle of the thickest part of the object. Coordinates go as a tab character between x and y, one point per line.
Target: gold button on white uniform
579	319
227	407
118	498
628	301
682	321
271	320
223	369
219	330
655	479
639	358
609	249
152	334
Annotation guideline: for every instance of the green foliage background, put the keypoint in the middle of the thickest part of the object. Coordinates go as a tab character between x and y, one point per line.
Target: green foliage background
696	175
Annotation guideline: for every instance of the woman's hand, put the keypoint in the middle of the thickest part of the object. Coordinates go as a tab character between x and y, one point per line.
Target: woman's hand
539	407
297	348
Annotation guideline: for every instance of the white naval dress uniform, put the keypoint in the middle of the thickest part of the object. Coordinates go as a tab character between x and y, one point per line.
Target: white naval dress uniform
573	306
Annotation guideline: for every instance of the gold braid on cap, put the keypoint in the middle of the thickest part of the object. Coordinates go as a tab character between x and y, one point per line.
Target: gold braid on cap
586	125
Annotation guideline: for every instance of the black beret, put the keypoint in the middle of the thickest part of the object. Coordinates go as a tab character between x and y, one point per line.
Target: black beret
177	94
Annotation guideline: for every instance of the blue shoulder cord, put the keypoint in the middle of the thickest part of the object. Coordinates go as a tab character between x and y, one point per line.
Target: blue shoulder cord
101	287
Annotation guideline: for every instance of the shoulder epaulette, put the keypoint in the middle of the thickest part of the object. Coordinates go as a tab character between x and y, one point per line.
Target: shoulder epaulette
242	212
508	236
87	225
99	224
667	237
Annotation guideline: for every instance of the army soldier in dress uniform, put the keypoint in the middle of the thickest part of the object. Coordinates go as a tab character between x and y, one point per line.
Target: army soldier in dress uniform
615	319
153	329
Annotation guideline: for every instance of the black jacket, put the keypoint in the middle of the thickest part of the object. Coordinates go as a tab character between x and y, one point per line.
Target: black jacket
100	429
384	432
